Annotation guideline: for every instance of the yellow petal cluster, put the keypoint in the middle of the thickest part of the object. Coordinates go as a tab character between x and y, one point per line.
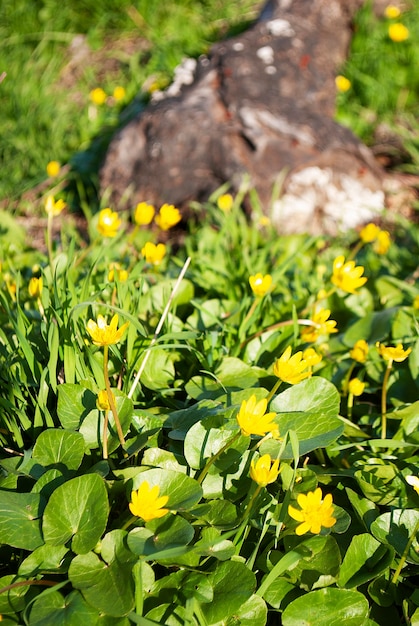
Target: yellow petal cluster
144	213
119	93
35	287
53	169
371	233
146	503
342	83
393	353
225	202
414	482
260	284
153	254
102	400
108	223
54	207
321	326
392	12
264	471
116	272
292	369
398	32
253	419
104	334
359	352
347	276
168	216
382	243
311	357
97	96
315	512
356	387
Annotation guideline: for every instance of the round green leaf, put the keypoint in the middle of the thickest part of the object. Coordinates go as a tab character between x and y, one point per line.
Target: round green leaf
74	404
184	492
395	528
53	608
57	446
232	375
77	512
321	567
163	538
45	558
327	607
365	559
233	584
12	601
253	612
92	426
19	519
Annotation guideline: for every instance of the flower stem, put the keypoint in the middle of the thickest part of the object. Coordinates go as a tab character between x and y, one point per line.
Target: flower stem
110	395
49	239
216	456
273	390
105	435
350	405
384	400
405	553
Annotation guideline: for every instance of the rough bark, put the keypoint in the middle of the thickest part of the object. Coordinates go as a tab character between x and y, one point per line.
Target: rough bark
260	104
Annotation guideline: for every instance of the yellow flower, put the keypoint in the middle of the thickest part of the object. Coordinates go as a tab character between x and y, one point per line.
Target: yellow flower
391	353
146	503
262	472
369	233
97	96
102	400
292	369
356	387
119	93
260	284
347	276
253	419
103	334
108	223
359	352
53	207
416	302
168	216
314	513
392	12
342	83
398	32
323	326
382	242
264	221
153	253
116	270
144	213
35	287
311	357
53	169
414	482
225	202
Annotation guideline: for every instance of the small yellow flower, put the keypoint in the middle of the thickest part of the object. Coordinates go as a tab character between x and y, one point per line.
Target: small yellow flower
144	213
347	276
369	233
153	253
168	216
263	471
398	32
356	387
314	512
253	419
53	207
311	357
414	482
97	96
119	93
102	400
382	242
225	202
108	223
342	83
264	221
103	334
323	326
53	169
260	284
146	503
292	369
115	270
359	352
392	12
35	287
416	303
391	353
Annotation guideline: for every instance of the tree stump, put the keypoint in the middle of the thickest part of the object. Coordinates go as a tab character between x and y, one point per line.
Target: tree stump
260	105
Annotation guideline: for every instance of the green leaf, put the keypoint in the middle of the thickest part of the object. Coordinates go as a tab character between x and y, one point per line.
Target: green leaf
74	403
92	425
321	567
55	446
379	481
184	492
77	512
365	559
20	524
366	510
109	588
233	584
54	608
159	371
46	558
311	410
395	528
13	600
164	539
231	375
327	607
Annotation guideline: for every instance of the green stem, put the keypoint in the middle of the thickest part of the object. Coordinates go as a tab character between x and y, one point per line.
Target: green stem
384	400
273	390
49	239
249	314
251	502
105	435
350	405
110	395
138	582
405	553
216	456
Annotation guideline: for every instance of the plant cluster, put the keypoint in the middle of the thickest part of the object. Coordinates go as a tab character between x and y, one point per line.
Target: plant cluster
223	434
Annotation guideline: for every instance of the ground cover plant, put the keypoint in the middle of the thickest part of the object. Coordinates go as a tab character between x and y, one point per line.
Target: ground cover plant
206	427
